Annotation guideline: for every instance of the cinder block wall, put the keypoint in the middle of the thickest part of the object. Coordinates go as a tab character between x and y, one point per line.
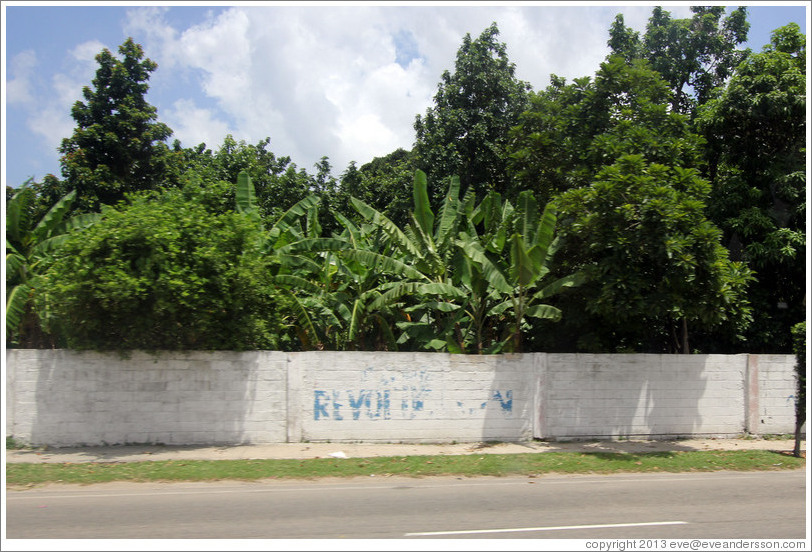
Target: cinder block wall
605	396
363	396
64	398
775	410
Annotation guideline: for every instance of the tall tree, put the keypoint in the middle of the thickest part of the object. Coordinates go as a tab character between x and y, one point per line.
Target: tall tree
118	144
623	168
571	131
756	133
279	184
656	262
465	133
694	55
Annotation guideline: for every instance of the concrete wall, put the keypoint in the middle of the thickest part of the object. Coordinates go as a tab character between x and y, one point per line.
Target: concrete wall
773	407
643	395
411	397
64	398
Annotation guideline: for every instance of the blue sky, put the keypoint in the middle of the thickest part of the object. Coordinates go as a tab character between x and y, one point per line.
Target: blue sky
343	81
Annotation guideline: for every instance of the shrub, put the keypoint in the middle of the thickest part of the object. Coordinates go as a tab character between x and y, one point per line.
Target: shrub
162	272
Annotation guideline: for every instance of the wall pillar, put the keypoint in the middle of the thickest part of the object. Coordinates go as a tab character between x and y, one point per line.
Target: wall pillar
540	396
751	395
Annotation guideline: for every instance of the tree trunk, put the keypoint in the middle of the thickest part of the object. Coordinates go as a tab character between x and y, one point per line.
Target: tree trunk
799	422
685	349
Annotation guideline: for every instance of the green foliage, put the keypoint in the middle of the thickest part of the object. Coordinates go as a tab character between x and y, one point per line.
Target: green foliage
385	183
248	250
470	288
692	55
465	133
654	259
117	146
759	198
29	245
570	132
163	273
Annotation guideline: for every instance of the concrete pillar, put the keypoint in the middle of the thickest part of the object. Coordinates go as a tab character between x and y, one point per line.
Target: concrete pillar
751	394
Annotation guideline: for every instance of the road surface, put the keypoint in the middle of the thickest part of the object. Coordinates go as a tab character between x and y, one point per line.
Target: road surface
751	505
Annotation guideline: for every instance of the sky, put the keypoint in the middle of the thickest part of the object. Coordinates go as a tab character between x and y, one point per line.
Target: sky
337	79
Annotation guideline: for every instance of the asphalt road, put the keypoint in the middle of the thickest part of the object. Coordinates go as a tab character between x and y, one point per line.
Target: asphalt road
673	506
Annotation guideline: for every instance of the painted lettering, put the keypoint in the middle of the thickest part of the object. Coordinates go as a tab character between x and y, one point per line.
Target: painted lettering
507	402
363	397
319	407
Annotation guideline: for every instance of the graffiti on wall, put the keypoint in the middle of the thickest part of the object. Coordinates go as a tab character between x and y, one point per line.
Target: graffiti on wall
395	394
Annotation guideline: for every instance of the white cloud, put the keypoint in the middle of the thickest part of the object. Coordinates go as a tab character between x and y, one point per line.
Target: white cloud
86	52
325	80
52	117
52	124
192	124
18	87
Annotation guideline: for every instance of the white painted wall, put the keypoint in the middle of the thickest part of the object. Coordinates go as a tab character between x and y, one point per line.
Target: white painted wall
64	398
776	394
605	396
367	396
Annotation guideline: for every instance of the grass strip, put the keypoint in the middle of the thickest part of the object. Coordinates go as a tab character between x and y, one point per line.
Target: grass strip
472	465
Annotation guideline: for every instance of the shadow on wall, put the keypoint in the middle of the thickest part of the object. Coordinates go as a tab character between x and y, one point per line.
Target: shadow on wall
510	405
162	398
612	396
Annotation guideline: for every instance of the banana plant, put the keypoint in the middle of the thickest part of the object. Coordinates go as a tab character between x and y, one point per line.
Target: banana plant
329	280
428	296
28	245
513	256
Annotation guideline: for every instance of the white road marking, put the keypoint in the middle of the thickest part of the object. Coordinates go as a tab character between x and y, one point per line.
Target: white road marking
559	528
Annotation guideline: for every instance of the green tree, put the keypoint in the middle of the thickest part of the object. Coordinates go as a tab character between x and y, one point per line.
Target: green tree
384	183
693	55
465	133
656	263
162	272
118	145
507	267
278	183
571	131
470	276
756	133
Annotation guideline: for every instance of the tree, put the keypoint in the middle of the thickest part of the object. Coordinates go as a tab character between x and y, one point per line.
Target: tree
693	56
466	132
656	264
799	348
163	273
571	131
756	133
469	276
384	183
29	243
278	183
507	266
117	146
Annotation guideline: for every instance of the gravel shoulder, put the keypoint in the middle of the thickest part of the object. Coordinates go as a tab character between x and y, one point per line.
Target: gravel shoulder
127	453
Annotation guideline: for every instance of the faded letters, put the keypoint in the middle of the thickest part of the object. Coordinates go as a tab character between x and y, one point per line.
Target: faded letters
386	394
